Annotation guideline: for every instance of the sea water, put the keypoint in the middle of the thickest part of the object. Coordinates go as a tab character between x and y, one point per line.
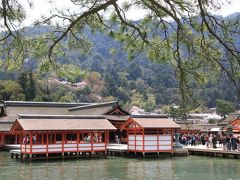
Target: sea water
114	168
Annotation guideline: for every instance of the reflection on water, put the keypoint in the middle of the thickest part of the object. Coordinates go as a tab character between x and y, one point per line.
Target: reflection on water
114	168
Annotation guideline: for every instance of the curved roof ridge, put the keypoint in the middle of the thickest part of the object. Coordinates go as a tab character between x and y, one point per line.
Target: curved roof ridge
93	105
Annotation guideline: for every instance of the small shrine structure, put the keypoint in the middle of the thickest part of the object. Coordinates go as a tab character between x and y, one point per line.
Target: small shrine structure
149	135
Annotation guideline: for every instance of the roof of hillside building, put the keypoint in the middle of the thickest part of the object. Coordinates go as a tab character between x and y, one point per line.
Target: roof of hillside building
230	117
198	127
62	124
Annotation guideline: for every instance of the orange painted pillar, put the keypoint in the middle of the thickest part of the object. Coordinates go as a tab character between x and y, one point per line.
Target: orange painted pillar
63	142
78	141
158	140
47	145
135	134
105	140
1	139
91	140
21	142
172	140
128	139
31	143
143	140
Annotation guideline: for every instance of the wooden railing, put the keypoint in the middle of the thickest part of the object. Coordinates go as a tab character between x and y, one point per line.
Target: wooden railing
151	143
59	148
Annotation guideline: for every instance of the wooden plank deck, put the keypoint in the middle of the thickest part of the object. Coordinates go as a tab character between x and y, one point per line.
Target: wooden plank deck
219	152
117	147
11	146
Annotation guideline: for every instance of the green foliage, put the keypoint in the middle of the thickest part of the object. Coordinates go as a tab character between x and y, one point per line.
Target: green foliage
223	107
71	72
27	81
68	97
10	90
177	113
212	121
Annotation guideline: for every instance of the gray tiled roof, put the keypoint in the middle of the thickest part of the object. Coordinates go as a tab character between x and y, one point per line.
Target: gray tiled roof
43	104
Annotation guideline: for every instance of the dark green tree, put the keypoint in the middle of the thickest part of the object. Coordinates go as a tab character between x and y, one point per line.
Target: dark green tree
197	43
223	107
31	89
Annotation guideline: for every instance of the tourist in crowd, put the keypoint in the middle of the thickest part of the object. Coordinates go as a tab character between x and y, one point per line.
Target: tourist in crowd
214	141
210	139
193	141
207	140
220	140
238	143
234	143
203	139
228	143
189	138
184	140
224	142
34	139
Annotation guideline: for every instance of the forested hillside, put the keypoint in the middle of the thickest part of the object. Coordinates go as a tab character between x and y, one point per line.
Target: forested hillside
107	74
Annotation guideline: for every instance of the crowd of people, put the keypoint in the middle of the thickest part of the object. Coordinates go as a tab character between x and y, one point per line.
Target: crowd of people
212	140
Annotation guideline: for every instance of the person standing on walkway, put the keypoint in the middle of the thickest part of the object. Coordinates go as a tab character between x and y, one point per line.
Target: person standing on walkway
193	143
214	141
224	142
228	143
207	141
238	143
203	139
234	143
210	141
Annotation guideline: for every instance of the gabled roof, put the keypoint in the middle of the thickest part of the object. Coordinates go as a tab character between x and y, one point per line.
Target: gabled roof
236	123
231	117
13	108
117	117
150	116
150	123
62	124
117	110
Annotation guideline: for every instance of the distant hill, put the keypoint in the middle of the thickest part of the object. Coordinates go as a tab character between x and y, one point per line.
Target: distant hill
141	75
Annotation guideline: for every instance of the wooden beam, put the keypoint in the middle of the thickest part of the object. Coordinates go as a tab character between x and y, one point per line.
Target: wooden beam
30	136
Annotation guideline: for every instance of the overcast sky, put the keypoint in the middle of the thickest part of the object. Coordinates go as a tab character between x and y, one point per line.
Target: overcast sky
43	7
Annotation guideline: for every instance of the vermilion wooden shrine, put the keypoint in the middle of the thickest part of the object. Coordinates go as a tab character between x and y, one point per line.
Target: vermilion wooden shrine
150	135
60	136
10	111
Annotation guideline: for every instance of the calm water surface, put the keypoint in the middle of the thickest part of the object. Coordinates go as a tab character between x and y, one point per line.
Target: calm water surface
114	168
